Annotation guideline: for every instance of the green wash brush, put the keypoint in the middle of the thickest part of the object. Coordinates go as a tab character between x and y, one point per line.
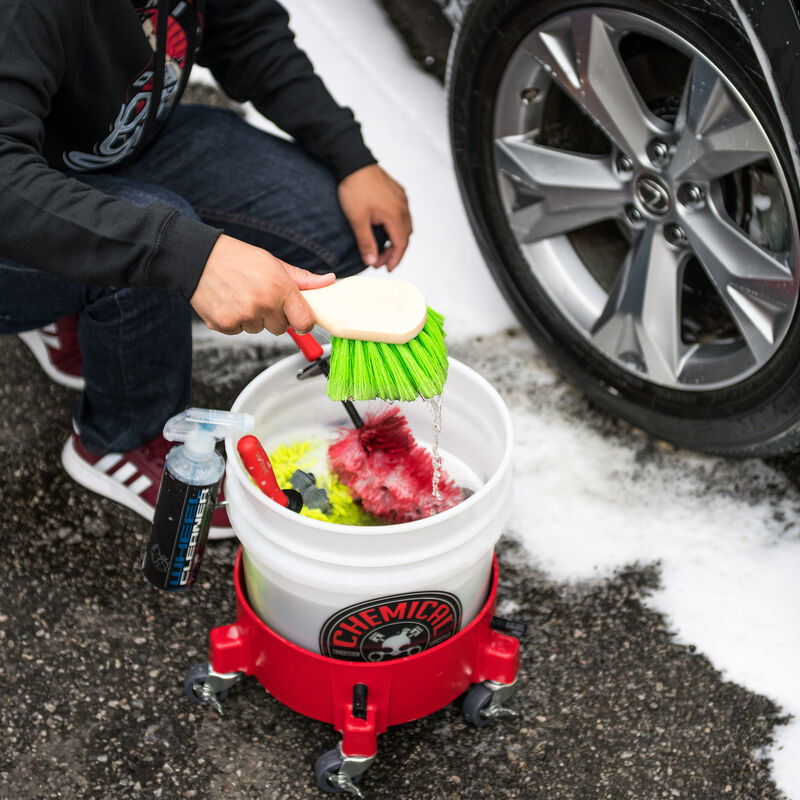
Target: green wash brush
385	341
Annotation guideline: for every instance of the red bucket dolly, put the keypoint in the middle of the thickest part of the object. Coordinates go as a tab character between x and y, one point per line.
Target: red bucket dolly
362	699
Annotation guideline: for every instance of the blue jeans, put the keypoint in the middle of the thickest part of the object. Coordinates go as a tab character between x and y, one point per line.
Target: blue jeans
137	343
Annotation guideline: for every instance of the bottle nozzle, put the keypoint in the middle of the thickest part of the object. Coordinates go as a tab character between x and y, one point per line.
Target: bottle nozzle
200	428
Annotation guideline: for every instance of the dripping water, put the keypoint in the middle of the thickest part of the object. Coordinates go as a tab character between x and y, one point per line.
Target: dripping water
435	407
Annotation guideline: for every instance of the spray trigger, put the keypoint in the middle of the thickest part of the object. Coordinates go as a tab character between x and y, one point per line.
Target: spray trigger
201	428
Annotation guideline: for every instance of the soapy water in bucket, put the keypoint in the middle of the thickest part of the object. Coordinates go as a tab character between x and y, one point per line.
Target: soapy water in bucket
305	448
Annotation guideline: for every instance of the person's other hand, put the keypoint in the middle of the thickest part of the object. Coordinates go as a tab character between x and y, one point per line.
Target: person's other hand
244	288
368	197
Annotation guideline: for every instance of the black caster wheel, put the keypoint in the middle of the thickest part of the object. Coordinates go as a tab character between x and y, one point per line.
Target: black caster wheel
477	698
197	675
329	764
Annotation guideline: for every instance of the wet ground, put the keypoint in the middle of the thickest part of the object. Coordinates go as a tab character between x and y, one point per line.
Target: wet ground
92	659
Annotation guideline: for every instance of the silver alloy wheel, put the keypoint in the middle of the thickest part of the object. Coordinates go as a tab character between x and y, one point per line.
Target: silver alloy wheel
666	181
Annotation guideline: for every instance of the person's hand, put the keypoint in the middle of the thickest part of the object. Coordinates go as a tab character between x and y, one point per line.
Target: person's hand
370	197
244	288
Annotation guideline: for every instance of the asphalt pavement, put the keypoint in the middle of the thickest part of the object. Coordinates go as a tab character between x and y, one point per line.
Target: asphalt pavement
92	658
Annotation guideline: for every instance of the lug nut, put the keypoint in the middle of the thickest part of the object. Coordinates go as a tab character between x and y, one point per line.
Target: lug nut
624	166
692	195
634	215
529	95
674	235
658	152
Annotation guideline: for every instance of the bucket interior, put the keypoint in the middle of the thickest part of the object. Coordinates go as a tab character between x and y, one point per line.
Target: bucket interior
474	440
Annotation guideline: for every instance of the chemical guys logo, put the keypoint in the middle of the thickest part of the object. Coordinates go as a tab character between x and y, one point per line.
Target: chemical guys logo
391	627
127	129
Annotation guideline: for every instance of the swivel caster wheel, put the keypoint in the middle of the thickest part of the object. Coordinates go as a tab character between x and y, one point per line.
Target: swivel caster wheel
483	703
340	774
476	700
208	688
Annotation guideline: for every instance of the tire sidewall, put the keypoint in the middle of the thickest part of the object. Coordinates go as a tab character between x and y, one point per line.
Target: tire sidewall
757	415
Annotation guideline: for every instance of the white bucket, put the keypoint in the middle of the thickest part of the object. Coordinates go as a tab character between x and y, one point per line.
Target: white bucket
329	588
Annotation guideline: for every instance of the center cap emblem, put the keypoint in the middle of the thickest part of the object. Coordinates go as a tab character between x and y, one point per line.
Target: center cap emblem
653	195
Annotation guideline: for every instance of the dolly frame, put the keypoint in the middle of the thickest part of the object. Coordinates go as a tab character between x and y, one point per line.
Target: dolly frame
361	700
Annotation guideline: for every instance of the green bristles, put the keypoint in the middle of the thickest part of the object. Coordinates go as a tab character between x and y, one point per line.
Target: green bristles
368	370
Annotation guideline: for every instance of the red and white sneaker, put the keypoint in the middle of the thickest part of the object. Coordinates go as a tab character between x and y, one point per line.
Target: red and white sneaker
130	478
56	349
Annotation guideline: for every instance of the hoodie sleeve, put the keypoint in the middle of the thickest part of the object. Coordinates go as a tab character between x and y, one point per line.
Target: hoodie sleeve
53	222
250	50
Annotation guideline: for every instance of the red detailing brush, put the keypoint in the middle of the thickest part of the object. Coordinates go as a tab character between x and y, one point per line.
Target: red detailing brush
389	472
257	463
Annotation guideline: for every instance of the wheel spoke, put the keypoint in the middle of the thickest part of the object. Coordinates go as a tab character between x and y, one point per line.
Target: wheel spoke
757	287
575	144
557	192
641	321
580	52
716	134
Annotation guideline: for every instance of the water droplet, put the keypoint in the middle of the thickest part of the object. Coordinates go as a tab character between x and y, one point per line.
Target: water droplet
435	407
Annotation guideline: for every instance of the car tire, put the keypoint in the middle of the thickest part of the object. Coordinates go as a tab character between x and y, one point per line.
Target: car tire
719	369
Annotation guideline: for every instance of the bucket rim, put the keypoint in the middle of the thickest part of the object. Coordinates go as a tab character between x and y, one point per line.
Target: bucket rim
500	473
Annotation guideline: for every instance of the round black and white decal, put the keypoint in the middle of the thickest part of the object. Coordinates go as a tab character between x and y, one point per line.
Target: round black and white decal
391	627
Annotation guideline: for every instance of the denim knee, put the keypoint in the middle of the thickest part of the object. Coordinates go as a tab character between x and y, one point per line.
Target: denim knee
136	192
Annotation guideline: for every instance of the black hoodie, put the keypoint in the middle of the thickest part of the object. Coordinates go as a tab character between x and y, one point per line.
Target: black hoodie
86	84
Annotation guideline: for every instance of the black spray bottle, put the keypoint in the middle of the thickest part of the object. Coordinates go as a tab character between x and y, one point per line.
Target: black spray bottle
188	493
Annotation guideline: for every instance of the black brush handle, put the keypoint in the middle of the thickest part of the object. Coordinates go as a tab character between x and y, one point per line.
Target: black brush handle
355	417
312	350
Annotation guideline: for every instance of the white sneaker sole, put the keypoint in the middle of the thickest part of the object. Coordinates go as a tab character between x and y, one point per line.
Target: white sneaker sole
34	342
106	486
100	483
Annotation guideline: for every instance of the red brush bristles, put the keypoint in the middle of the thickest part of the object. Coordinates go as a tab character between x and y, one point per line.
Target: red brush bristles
388	472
